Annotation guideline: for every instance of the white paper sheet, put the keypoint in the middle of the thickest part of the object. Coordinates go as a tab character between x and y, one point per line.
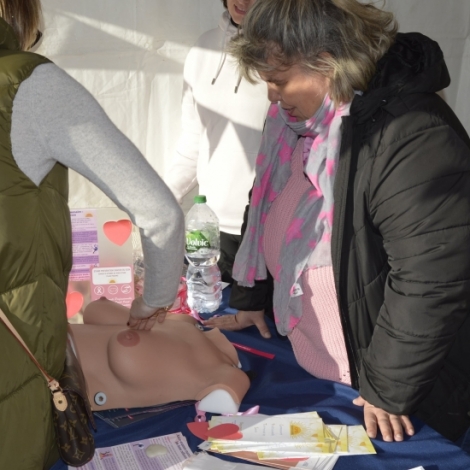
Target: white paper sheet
132	456
203	461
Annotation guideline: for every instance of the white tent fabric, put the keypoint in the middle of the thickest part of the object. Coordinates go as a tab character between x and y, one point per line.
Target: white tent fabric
130	53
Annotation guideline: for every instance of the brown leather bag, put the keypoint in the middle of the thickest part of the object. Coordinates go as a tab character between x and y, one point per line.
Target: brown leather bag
71	410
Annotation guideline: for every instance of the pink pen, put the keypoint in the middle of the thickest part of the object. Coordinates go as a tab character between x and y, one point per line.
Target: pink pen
254	351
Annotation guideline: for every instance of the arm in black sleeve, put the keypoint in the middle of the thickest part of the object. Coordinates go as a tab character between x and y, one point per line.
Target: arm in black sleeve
420	202
258	297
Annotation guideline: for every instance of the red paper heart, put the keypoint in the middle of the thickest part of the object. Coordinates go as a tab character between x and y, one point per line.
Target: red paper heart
74	302
199	430
119	231
226	431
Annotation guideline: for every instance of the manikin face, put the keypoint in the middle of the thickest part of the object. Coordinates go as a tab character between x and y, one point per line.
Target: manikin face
238	9
299	91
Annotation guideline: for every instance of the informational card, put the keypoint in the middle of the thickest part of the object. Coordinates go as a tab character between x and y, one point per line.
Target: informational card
133	456
274	429
115	283
297	440
84	243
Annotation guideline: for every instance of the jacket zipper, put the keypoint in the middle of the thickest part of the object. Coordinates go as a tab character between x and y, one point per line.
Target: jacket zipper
341	188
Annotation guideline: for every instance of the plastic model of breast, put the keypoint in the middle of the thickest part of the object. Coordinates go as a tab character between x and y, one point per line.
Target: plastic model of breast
173	361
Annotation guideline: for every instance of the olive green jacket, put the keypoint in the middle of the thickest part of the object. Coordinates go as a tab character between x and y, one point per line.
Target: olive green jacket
35	259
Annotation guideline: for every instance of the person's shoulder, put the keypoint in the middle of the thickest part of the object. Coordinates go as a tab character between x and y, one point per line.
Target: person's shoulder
213	38
421	112
208	41
54	81
206	49
49	82
50	70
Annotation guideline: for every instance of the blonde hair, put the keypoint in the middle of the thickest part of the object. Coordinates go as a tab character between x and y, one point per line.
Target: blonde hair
24	16
341	39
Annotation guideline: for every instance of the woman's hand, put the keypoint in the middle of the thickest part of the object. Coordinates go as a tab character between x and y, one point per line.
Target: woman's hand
391	426
143	317
242	319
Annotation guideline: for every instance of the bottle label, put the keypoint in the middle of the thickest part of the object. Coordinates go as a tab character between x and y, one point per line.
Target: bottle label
196	240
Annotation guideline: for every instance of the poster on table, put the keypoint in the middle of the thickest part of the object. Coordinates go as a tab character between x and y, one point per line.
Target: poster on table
102	259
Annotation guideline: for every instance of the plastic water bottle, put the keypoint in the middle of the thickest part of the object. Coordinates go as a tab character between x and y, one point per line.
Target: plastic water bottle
202	252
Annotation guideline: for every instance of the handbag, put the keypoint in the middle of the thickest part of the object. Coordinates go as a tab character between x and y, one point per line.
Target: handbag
71	411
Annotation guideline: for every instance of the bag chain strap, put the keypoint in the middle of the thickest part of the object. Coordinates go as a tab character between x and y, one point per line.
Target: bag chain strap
58	396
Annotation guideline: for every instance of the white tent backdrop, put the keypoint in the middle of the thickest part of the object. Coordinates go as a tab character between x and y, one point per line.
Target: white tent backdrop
130	53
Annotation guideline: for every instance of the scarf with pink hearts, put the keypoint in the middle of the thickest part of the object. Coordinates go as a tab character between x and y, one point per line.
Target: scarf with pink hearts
307	242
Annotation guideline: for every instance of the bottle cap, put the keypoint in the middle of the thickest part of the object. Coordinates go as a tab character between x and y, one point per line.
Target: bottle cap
200	199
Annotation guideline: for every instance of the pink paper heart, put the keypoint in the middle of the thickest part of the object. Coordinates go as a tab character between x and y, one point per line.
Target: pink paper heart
74	302
199	429
225	431
222	431
118	231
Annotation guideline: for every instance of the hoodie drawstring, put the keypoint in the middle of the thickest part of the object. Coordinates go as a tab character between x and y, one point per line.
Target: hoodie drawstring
238	83
221	64
223	56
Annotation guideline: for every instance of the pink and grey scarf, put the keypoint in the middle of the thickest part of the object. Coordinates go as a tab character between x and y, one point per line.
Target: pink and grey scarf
307	242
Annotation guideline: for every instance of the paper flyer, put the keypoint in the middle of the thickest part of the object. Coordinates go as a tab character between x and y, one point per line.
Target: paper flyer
133	456
282	429
85	246
298	440
358	441
116	283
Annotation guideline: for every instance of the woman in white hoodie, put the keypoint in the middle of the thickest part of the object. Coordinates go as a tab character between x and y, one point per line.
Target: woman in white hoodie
222	121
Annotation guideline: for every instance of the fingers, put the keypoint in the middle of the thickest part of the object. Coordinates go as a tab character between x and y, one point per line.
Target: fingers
359	401
254	317
262	327
226	322
242	319
143	317
370	421
392	427
389	426
141	323
397	428
161	317
407	425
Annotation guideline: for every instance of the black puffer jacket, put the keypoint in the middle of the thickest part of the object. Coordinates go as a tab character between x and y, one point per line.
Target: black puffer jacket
401	241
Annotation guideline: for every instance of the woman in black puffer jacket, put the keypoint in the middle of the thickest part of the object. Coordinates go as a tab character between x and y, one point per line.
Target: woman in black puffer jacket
398	244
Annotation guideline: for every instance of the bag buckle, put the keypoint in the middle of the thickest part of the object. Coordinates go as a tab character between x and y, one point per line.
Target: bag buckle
58	396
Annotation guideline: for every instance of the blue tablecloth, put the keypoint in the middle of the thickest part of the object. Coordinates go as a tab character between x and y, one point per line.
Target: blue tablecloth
281	386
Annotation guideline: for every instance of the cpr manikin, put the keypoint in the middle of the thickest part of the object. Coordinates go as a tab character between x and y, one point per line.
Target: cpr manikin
173	361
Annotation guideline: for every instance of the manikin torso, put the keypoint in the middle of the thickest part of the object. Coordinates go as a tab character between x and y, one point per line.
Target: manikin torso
173	361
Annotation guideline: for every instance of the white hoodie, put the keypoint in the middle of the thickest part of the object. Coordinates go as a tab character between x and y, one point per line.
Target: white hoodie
222	121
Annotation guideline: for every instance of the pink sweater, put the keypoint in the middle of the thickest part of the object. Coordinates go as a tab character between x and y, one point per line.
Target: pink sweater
317	340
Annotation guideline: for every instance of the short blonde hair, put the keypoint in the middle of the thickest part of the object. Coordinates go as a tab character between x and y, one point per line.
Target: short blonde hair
24	16
342	39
